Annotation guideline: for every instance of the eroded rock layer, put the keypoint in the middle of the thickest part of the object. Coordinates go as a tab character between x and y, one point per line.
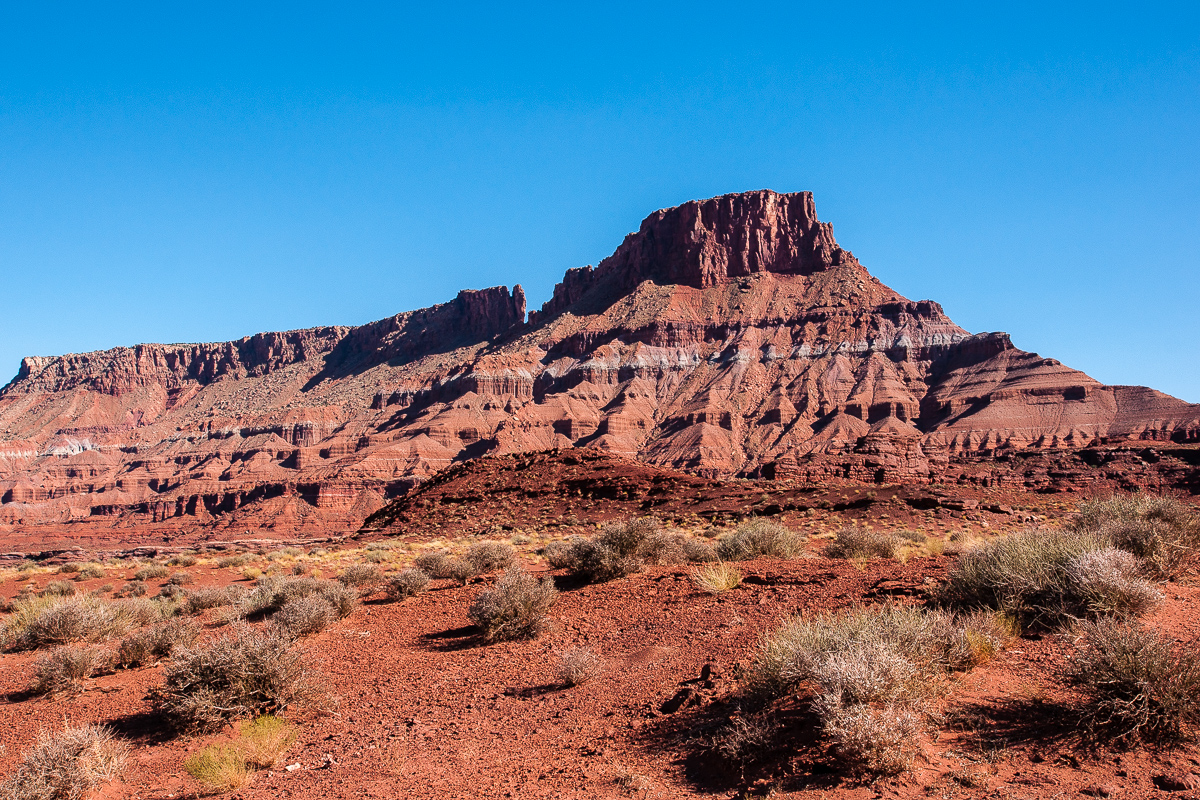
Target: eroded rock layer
726	337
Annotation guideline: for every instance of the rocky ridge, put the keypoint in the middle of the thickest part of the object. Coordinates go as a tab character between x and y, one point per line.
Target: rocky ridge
726	337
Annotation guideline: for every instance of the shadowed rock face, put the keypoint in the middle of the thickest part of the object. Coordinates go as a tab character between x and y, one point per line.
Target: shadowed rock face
728	336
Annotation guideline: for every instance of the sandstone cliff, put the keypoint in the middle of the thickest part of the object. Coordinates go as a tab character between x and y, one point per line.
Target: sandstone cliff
731	336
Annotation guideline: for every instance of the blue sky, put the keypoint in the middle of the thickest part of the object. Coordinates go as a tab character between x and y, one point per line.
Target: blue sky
199	173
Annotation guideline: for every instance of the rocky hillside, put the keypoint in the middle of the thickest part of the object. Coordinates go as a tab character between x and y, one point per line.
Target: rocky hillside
726	337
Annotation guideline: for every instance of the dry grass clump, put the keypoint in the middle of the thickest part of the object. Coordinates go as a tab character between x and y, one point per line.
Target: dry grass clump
227	767
235	560
760	538
716	577
58	589
578	665
243	674
742	740
363	577
869	672
150	644
69	568
219	768
489	556
198	600
64	669
407	584
1045	576
698	552
132	589
1162	532
89	572
181	579
47	621
856	542
305	616
1140	685
151	572
182	560
67	765
515	607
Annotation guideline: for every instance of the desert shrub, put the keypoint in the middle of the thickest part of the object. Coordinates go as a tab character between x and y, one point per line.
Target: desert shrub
1106	582
912	537
490	556
182	560
380	545
445	565
1045	576
304	616
375	556
206	597
89	572
252	573
58	589
760	538
263	740
698	552
515	607
560	554
856	542
869	672
879	740
361	576
70	568
181	579
742	740
150	644
716	577
219	768
408	583
271	593
151	572
172	591
1139	684
243	674
67	765
64	669
46	621
236	560
1160	531
578	665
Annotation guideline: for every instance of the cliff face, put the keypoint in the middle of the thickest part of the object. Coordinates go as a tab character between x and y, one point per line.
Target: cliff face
730	336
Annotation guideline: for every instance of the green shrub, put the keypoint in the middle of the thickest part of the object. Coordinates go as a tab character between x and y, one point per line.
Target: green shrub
67	765
1139	685
515	607
243	674
760	538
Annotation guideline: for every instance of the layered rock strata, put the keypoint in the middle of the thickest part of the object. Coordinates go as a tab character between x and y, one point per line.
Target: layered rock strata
727	337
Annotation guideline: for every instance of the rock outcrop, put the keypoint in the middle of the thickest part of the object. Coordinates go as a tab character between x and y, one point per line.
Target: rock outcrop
728	337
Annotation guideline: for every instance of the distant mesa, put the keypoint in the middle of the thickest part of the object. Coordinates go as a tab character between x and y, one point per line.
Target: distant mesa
726	337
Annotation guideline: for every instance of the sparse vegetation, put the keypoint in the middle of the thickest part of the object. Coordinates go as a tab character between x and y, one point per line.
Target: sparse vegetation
227	767
1140	685
58	589
621	549
716	577
445	565
151	572
46	621
271	593
64	669
760	538
515	607
407	584
67	765
243	674
305	616
235	560
182	560
263	740
198	600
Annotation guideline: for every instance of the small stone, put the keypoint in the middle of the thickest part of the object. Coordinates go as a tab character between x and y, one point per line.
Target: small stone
292	767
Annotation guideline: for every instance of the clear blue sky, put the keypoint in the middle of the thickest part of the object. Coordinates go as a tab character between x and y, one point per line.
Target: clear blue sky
198	172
